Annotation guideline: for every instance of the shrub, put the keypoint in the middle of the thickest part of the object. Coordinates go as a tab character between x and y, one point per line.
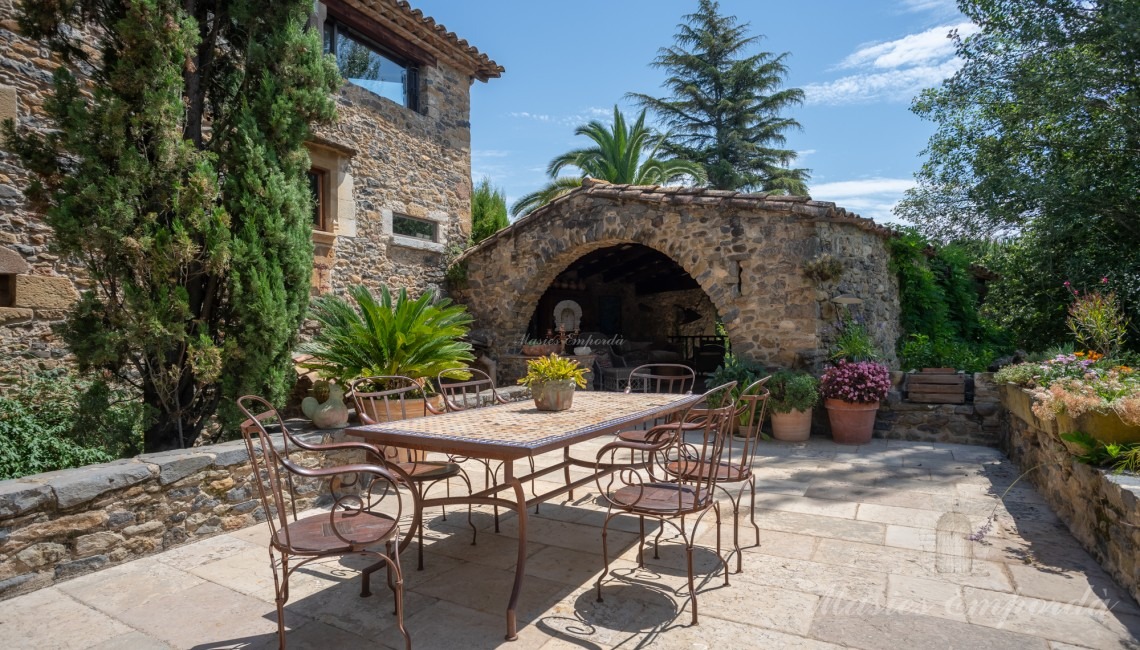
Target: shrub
792	391
56	420
854	342
921	351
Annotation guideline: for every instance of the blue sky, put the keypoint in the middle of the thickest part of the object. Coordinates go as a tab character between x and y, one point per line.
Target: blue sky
859	62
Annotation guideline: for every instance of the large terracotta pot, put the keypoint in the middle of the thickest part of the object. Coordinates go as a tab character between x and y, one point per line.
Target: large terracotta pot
553	395
852	423
793	426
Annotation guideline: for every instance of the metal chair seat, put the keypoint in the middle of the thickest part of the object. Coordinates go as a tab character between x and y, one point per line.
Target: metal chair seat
315	534
725	470
656	498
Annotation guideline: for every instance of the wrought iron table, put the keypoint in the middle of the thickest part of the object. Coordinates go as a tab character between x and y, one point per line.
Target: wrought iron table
517	430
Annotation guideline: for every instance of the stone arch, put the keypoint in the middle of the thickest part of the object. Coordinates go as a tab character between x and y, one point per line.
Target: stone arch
548	269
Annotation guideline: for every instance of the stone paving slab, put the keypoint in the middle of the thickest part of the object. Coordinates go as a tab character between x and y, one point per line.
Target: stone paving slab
850	555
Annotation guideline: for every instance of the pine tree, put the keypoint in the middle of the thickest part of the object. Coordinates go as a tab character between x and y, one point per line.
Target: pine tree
726	105
488	211
179	182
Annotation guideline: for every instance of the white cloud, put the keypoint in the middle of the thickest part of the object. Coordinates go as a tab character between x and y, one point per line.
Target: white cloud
893	85
603	115
936	6
893	70
868	197
931	46
490	153
531	116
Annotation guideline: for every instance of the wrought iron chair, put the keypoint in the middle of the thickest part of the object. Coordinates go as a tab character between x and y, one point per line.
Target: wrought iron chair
465	395
390	402
636	490
354	524
657	378
735	465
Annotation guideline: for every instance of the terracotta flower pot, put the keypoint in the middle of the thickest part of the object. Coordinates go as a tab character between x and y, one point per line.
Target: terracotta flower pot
553	395
852	423
793	426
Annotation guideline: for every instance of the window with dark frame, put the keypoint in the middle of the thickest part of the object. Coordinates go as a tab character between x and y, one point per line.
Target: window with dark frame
318	187
368	65
7	290
407	226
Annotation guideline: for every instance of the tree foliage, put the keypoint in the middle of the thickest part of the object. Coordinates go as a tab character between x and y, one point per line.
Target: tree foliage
1038	137
177	177
726	105
621	153
488	211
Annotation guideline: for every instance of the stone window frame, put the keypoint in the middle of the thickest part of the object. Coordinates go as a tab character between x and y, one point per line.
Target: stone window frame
322	223
441	219
339	216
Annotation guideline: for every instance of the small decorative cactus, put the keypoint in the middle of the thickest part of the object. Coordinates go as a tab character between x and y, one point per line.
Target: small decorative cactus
325	406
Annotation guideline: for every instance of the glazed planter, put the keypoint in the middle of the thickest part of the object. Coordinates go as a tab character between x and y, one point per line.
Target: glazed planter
793	426
553	395
852	423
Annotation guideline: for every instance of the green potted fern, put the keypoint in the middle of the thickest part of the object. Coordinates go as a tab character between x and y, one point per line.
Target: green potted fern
415	338
792	395
552	381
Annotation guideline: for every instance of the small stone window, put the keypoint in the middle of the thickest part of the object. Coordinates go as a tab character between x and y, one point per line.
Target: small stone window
407	226
319	188
7	290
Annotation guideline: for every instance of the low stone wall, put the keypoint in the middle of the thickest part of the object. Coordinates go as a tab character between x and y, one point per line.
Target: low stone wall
1100	508
63	524
977	422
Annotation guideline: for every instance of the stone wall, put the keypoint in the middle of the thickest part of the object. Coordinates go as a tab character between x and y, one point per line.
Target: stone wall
1101	509
977	422
42	285
383	159
746	252
62	524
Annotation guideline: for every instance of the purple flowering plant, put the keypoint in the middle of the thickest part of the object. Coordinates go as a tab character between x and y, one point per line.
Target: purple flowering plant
859	381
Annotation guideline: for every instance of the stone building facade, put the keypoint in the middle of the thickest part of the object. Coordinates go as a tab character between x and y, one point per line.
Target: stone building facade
383	163
746	253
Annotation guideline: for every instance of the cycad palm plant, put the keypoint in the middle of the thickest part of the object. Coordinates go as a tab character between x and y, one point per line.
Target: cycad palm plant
621	154
414	338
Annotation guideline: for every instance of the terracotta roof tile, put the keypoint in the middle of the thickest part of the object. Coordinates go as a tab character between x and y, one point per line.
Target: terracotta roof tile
438	36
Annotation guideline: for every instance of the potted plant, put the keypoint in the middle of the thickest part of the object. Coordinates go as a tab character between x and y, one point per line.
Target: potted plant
791	397
744	374
418	339
852	392
552	381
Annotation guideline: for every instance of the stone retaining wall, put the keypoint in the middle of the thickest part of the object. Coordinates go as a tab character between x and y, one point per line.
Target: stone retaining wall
1100	508
63	524
977	422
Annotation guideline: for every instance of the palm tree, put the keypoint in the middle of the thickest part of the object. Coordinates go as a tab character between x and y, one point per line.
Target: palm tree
621	154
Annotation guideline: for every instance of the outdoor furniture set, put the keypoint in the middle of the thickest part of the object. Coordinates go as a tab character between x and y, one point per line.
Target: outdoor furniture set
669	451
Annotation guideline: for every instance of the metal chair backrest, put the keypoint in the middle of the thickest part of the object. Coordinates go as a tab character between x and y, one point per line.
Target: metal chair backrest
751	405
702	444
468	393
385	398
271	467
661	378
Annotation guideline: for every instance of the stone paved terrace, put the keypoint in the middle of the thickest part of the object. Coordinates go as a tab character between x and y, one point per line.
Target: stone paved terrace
847	559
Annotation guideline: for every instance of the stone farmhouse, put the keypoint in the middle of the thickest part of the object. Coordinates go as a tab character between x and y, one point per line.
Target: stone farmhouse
392	178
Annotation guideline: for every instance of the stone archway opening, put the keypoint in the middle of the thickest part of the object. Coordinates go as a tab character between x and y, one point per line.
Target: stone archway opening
639	301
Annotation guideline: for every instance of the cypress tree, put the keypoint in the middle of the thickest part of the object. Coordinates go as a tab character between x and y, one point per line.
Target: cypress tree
725	108
488	211
175	173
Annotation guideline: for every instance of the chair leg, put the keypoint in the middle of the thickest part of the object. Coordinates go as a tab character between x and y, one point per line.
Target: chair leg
692	584
641	542
752	508
366	578
280	595
470	522
394	563
723	562
605	553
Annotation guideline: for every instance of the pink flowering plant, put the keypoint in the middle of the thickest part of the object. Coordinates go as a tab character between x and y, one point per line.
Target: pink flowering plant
860	381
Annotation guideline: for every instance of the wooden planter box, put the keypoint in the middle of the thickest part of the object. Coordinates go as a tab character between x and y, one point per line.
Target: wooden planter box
936	386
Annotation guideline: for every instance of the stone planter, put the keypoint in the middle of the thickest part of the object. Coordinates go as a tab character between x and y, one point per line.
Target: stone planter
852	423
1105	427
793	426
553	395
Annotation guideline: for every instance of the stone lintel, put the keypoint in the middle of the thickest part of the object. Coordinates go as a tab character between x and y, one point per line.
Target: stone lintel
45	292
